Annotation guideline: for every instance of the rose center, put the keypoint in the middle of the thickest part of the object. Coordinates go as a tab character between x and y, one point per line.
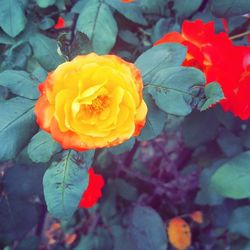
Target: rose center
98	104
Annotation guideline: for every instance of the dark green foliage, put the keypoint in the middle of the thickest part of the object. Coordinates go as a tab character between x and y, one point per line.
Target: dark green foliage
16	128
42	147
12	17
20	83
14	222
160	57
196	130
228	8
239	222
233	177
28	183
169	92
97	22
45	50
145	229
213	94
18	211
155	121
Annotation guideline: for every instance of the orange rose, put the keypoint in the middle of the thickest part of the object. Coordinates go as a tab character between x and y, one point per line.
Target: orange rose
92	102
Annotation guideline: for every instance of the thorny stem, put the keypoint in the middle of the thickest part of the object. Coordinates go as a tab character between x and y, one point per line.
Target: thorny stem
94	224
73	29
40	225
153	181
240	35
130	157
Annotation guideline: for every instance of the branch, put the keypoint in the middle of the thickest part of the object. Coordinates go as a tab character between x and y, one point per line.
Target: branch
240	35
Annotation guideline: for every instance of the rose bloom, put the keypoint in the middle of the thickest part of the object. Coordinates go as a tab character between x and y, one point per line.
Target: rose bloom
94	190
92	102
60	23
220	60
127	1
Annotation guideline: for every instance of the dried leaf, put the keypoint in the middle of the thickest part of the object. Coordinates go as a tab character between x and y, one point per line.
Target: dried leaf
70	238
179	233
197	216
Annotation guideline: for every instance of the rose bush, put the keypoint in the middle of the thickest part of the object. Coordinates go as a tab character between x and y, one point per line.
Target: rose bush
92	102
126	93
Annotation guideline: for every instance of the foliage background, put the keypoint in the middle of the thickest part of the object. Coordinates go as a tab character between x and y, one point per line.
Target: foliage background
182	162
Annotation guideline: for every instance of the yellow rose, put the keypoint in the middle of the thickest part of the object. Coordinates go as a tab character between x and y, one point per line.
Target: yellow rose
92	102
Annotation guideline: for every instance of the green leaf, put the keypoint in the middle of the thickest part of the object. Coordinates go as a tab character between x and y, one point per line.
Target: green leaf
229	8
97	22
155	120
29	181
207	195
30	243
42	147
126	190
17	125
176	89
213	93
78	7
129	37
17	217
124	147
130	10
108	206
16	57
46	23
121	238
233	177
156	6
20	83
100	240
65	181
164	26
12	18
3	93
158	58
5	39
239	222
229	143
227	119
45	3
86	243
185	8
45	51
81	45
195	128
146	229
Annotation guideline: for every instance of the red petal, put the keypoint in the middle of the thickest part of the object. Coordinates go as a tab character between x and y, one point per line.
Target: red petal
171	37
60	23
94	190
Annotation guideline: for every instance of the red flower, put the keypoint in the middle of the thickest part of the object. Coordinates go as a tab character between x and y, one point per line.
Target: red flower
93	191
220	61
127	1
60	23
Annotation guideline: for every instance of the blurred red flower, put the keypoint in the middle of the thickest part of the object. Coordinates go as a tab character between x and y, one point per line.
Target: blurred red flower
220	60
127	1
94	190
60	23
